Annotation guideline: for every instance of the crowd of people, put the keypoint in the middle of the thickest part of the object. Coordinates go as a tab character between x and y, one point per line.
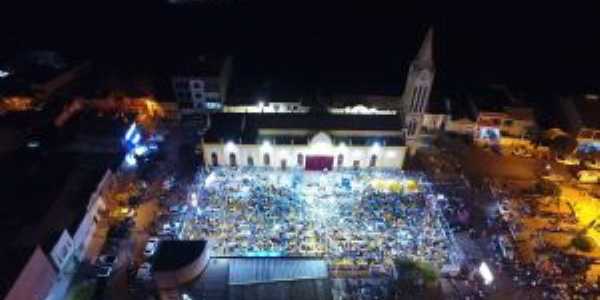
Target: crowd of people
358	219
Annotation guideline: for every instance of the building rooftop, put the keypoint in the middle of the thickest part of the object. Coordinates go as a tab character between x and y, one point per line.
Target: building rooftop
245	127
44	191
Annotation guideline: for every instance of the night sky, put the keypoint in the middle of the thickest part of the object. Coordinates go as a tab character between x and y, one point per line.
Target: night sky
542	46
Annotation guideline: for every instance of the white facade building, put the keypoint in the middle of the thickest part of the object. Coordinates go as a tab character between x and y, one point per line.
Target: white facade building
309	141
270	107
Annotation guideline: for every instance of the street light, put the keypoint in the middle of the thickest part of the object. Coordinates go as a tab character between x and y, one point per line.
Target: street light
266	146
230	147
486	273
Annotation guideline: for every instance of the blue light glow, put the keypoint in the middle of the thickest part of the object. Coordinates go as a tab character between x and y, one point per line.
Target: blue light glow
130	160
136	139
130	131
140	150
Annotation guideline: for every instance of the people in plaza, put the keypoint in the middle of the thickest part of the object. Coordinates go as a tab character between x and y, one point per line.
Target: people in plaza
342	216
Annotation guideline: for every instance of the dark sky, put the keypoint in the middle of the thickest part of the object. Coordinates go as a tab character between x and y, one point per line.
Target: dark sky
526	45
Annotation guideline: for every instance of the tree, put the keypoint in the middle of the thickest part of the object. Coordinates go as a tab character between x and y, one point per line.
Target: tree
563	145
583	243
559	142
413	272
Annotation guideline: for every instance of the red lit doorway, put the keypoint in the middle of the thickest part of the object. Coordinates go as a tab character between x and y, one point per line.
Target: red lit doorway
318	163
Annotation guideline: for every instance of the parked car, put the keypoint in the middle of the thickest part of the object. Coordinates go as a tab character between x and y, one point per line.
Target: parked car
151	246
104	271
178	209
588	176
122	212
504	210
592	164
522	152
568	160
107	260
144	271
554	177
506	247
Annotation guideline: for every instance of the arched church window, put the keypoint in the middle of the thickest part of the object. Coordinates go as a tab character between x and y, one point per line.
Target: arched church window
214	159
283	164
373	161
340	160
300	160
266	159
250	161
232	160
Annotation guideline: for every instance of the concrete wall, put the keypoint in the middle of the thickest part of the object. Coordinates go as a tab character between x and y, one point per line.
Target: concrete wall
83	235
35	280
387	156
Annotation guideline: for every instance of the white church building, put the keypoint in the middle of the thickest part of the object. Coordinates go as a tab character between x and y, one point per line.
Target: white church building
290	135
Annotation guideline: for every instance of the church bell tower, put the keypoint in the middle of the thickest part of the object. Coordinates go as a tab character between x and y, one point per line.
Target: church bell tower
415	97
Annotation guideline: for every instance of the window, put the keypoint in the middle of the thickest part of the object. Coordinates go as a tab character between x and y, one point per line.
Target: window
340	160
356	164
250	161
300	160
232	160
197	95
373	161
283	164
266	159
414	99
197	85
215	159
65	251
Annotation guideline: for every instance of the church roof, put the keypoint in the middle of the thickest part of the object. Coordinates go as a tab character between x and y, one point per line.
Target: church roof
424	58
245	128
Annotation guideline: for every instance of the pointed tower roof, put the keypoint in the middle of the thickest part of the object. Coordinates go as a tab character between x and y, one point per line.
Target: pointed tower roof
425	56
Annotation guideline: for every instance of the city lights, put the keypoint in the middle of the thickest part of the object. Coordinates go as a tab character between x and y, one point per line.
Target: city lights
209	180
140	150
194	199
130	131
230	147
376	147
136	139
486	273
266	146
130	160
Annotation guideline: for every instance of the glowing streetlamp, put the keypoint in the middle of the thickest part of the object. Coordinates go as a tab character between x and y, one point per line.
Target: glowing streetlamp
194	201
486	273
266	146
230	147
376	147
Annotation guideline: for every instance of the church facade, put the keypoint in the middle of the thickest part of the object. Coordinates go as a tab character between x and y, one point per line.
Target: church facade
371	135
